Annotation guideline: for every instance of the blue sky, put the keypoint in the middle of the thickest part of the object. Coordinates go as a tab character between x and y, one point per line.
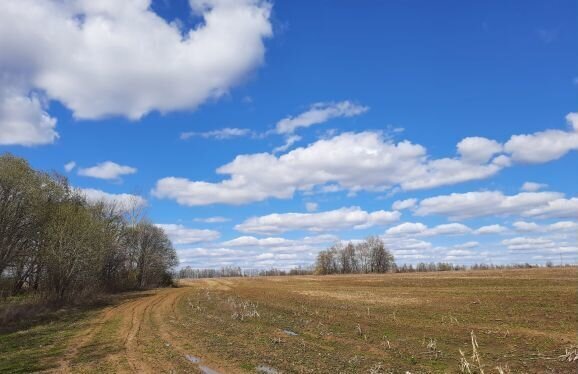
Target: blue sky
258	133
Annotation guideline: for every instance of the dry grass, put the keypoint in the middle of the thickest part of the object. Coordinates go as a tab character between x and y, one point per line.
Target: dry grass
515	321
473	322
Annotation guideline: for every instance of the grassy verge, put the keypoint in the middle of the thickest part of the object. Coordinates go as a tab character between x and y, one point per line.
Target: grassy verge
40	346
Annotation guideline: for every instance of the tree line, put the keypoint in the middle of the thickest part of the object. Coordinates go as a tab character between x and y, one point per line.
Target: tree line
368	256
56	244
234	271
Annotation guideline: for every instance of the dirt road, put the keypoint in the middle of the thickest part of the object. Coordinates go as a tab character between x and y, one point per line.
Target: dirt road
138	335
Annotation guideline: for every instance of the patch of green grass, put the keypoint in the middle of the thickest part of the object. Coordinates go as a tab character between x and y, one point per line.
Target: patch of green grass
104	343
39	347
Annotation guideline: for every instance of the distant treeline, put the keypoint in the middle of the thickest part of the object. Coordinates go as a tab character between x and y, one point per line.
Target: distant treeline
422	267
445	266
55	244
229	271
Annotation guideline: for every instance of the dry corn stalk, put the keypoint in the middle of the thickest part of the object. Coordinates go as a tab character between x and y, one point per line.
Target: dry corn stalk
571	355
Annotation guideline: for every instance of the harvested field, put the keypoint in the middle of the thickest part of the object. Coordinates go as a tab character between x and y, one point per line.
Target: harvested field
522	320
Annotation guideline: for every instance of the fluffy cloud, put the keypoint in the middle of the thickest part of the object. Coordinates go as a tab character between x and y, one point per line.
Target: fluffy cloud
252	252
23	119
491	229
407	228
488	203
339	219
526	226
319	113
364	161
478	149
562	226
220	134
180	234
353	161
558	208
572	120
404	204
123	202
529	243
533	187
107	170
449	229
92	57
280	244
251	241
546	145
419	229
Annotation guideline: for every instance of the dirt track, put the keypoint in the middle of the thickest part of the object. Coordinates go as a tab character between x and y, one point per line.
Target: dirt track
137	335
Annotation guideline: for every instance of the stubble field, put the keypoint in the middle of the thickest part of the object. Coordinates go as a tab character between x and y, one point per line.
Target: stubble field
521	320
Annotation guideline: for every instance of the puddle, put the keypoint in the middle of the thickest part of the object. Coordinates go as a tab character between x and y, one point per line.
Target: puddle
206	370
264	369
193	359
290	333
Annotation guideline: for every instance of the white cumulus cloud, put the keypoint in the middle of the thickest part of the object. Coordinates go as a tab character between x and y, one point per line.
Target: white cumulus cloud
123	201
339	219
544	146
107	170
489	203
533	186
103	58
180	234
352	161
23	119
404	204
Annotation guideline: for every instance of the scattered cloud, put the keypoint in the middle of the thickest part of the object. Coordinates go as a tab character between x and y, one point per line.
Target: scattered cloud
561	226
23	119
363	161
289	141
339	219
220	134
544	146
311	207
252	252
123	201
352	161
407	229
215	219
491	229
533	187
477	149
319	113
180	234
419	229
404	204
526	226
528	243
69	166
107	170
495	203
